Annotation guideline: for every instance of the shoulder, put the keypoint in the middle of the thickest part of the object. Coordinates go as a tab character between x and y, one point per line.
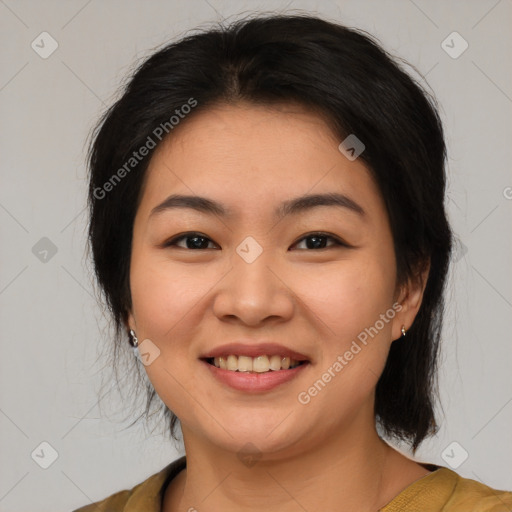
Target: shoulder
115	502
445	490
146	495
469	494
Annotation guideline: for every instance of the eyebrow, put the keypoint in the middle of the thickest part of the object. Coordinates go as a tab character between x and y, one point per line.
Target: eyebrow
289	207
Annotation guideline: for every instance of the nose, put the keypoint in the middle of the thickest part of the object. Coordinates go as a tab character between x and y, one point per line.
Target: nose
254	293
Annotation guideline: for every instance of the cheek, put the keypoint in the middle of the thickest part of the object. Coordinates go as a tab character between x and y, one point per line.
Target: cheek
166	301
344	304
164	295
347	300
346	296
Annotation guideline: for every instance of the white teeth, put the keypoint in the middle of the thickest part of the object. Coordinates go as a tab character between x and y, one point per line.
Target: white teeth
260	364
232	363
275	363
244	364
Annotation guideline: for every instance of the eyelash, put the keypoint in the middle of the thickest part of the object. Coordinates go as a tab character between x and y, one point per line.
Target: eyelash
194	234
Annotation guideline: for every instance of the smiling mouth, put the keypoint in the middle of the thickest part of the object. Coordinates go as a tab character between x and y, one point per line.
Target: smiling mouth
260	364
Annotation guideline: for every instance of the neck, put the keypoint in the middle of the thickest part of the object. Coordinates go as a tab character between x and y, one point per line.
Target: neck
344	473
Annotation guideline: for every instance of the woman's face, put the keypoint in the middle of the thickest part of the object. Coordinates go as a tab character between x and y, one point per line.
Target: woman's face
250	276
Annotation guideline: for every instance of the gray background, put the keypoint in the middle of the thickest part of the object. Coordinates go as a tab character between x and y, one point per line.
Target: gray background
51	326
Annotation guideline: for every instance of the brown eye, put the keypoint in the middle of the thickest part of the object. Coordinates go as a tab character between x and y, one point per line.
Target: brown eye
198	241
193	241
319	241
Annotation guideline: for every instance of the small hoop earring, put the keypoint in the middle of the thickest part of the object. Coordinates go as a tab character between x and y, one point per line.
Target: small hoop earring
403	330
134	342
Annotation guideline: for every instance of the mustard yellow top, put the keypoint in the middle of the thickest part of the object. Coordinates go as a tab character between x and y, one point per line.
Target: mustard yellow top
443	490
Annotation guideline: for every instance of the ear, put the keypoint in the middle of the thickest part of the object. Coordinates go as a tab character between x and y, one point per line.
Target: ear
410	298
130	322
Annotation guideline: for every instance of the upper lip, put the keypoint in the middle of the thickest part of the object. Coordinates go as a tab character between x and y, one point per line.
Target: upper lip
252	349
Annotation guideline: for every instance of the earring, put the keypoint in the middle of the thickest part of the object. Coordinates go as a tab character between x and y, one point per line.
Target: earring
134	342
403	330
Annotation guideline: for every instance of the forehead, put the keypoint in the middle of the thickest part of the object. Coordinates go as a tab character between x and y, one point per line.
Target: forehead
251	157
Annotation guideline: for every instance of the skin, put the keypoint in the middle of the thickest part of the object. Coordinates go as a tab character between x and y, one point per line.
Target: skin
325	455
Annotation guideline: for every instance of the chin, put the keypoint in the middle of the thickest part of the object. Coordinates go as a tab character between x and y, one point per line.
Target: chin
257	437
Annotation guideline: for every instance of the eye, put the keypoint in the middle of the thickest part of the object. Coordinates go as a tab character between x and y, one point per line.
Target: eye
197	241
318	241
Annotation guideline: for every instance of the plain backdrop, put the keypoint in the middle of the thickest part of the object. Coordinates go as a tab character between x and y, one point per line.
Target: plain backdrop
51	326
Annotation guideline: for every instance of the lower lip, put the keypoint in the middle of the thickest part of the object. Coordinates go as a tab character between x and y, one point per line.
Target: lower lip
255	382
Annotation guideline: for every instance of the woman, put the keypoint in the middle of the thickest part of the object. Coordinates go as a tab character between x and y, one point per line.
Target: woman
268	229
